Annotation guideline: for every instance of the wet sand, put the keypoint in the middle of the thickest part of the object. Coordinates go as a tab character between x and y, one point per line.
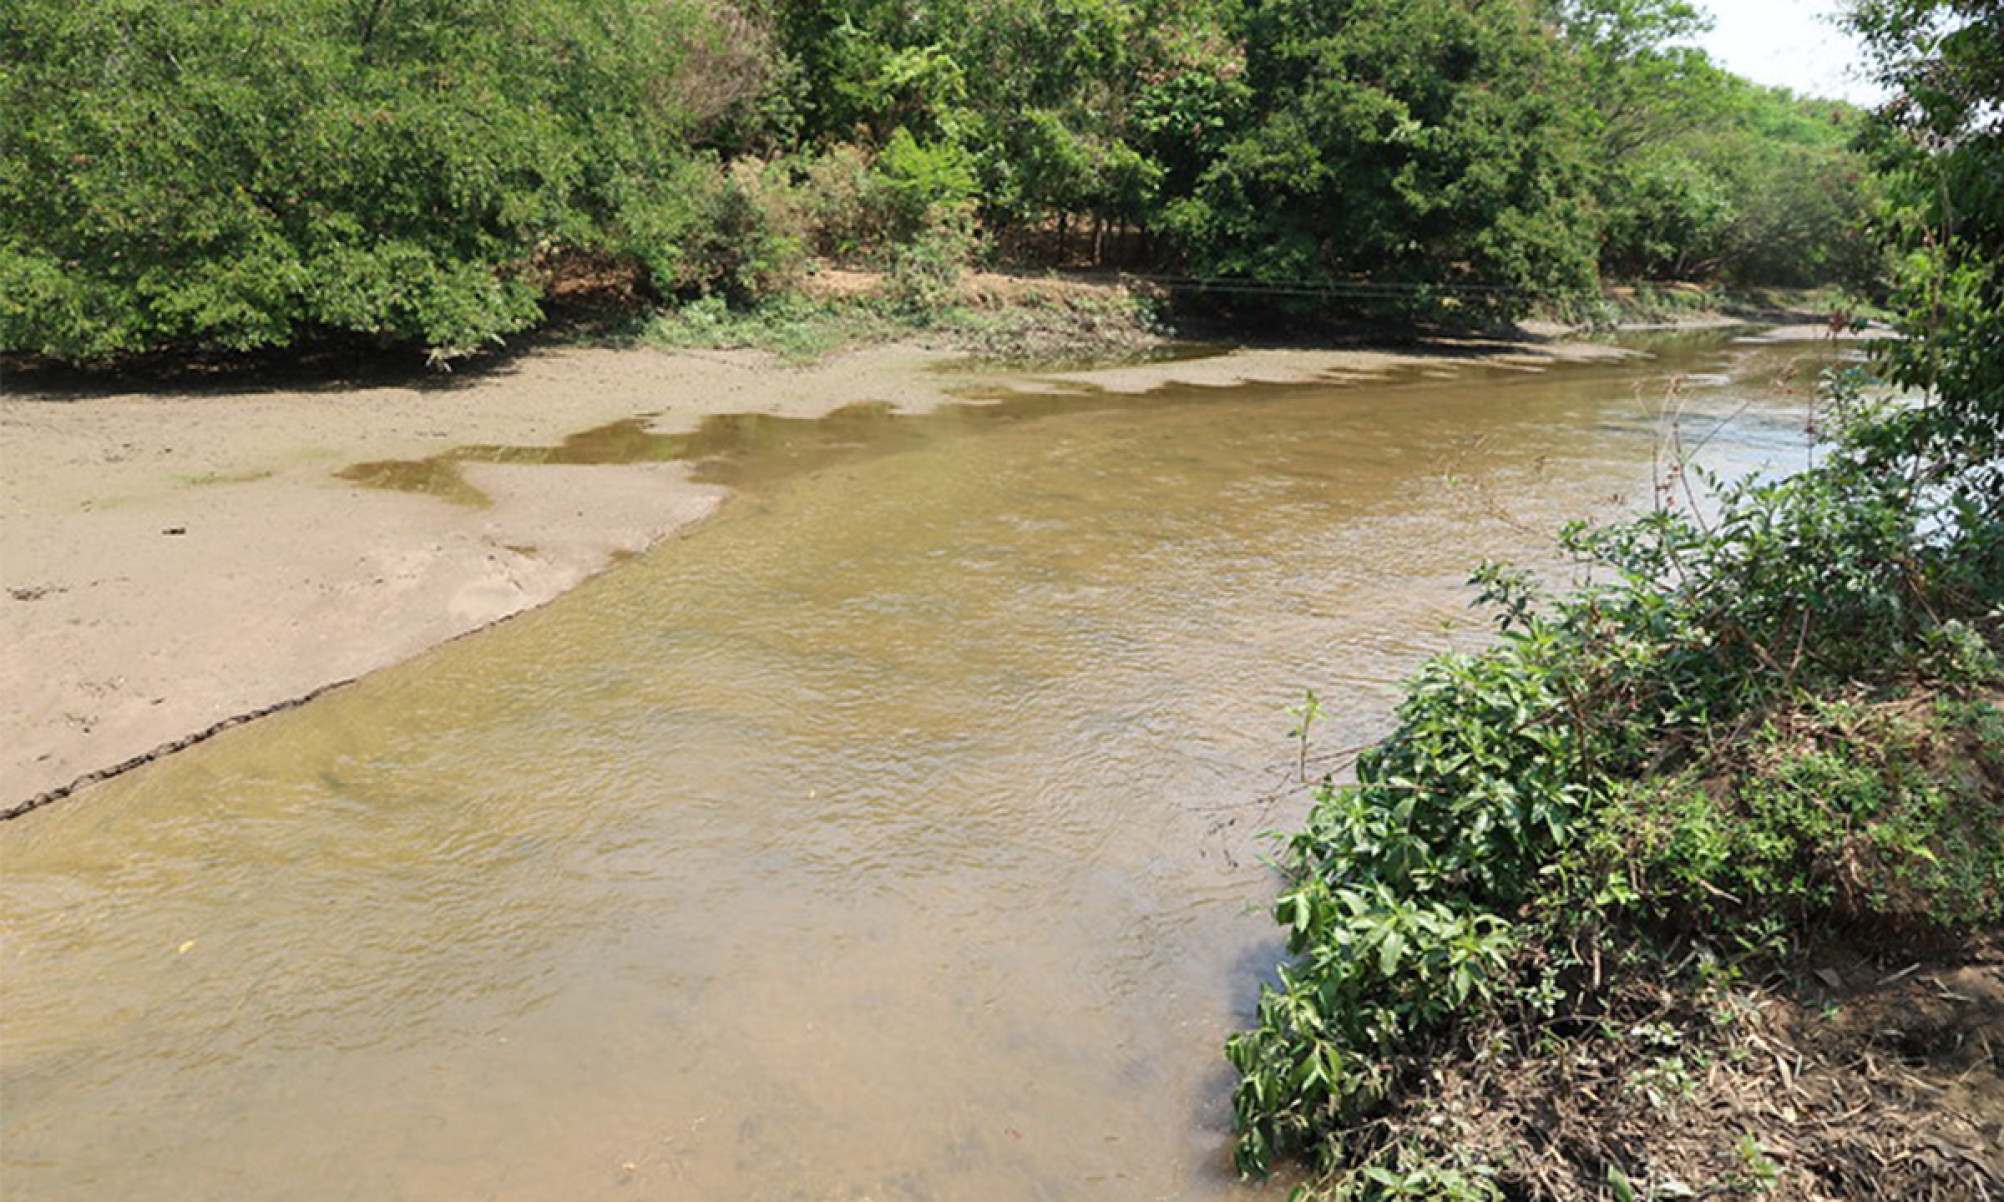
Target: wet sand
175	561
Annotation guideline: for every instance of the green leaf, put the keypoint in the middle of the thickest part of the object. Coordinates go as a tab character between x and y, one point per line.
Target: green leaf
1389	951
1624	1190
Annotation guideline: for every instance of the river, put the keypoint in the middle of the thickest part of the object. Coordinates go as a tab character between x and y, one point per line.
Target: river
892	835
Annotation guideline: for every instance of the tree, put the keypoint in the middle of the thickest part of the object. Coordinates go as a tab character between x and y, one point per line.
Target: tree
1419	143
1940	143
236	174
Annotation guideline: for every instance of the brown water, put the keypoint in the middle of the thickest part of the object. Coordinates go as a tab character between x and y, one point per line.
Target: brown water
892	836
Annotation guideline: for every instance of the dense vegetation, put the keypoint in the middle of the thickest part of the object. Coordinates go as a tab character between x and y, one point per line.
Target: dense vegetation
246	173
1752	724
1741	734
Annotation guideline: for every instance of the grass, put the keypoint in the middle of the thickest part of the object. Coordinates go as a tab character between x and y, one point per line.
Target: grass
796	328
1033	327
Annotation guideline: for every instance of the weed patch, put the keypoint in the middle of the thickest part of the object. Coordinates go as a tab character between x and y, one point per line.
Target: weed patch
1735	740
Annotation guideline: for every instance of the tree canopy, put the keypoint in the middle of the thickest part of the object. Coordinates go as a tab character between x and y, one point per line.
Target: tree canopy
245	173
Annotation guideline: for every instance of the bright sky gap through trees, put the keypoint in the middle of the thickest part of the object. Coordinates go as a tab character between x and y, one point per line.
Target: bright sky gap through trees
1794	44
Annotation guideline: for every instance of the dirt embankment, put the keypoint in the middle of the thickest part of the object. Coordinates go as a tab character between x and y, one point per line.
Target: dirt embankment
1878	1080
176	560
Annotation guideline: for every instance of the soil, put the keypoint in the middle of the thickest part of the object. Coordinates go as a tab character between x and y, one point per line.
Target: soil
1859	1079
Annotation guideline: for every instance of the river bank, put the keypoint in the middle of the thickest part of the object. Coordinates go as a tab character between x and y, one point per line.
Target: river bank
175	561
894	833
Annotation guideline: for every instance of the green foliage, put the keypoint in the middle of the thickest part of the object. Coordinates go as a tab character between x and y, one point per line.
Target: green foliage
1671	220
246	173
1648	753
925	268
928	186
791	327
844	203
737	230
1438	148
1941	149
1700	175
1409	143
1373	968
234	174
1412	1174
1734	731
1847	810
917	296
1078	329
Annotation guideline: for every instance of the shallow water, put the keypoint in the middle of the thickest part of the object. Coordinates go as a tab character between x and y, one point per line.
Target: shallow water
891	836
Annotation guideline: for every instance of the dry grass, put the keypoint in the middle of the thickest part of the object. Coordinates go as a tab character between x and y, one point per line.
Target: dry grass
1866	1080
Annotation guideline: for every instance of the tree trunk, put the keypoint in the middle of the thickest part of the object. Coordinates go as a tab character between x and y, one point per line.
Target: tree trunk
369	25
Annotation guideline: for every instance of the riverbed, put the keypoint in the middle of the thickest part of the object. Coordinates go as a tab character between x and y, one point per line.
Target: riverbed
893	834
178	557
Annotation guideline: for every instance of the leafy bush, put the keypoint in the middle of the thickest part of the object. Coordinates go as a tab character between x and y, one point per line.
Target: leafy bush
1670	223
925	268
845	203
789	326
234	174
734	229
1417	144
1724	733
1880	815
875	207
927	184
244	173
1732	734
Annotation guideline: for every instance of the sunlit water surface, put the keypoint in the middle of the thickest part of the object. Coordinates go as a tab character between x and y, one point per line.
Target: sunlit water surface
892	836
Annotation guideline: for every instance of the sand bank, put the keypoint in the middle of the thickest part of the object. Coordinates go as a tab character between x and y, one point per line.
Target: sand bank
175	561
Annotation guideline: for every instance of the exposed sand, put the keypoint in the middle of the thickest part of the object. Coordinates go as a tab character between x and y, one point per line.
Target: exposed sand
175	561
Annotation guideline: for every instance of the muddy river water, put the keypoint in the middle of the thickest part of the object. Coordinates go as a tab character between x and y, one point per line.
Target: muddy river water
893	835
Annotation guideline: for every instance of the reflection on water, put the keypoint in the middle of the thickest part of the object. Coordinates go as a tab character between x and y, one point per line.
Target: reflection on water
892	836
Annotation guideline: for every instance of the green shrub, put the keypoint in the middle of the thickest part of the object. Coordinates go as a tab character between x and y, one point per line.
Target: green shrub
927	185
846	203
790	326
1708	739
234	174
868	208
737	230
926	267
1861	813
